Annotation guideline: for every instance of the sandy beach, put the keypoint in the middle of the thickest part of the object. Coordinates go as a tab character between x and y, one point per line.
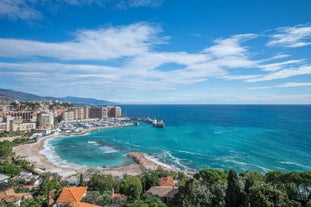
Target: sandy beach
32	153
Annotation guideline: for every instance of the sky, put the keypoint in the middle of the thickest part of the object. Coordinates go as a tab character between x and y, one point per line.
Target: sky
159	51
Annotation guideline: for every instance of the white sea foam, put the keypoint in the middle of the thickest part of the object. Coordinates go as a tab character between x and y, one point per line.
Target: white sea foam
190	153
93	143
297	164
156	160
218	132
49	152
177	162
107	149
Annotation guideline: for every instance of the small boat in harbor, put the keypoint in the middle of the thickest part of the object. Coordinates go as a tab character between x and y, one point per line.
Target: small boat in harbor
158	123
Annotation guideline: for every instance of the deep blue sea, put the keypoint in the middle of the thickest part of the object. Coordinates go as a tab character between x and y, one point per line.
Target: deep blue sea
243	137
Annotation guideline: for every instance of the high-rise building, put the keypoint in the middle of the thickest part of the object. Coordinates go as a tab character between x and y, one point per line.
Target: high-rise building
114	111
68	116
45	120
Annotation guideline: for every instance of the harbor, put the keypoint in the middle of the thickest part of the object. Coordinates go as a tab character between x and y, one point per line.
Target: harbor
155	123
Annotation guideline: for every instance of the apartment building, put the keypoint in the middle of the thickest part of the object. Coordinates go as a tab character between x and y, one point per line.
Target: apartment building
45	120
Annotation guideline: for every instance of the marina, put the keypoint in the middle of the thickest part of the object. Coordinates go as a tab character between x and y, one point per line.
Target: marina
155	123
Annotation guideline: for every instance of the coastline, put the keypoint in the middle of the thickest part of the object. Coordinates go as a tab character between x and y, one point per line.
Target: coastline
32	153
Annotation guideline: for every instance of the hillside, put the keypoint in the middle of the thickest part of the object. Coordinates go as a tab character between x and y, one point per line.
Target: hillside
11	95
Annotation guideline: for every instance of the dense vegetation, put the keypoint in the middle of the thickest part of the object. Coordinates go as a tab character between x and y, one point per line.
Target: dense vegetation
208	187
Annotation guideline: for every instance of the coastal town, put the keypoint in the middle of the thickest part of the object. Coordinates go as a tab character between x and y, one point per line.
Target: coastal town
29	124
53	117
29	179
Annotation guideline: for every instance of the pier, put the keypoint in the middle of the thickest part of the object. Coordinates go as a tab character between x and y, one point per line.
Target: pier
156	123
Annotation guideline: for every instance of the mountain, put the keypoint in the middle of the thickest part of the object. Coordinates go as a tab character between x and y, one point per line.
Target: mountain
11	95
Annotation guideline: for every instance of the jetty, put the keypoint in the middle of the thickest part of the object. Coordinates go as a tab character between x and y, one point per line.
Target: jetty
145	164
156	123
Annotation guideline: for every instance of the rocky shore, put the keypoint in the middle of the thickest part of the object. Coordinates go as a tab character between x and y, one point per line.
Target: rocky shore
146	164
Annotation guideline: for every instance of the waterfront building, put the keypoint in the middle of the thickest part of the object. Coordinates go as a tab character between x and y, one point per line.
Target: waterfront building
3	127
114	111
68	116
81	112
45	120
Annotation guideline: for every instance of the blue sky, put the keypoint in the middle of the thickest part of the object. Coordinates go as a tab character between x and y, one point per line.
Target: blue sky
159	51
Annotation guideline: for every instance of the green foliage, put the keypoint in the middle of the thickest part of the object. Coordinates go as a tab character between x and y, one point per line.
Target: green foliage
251	179
297	185
268	196
97	198
148	203
6	150
50	181
103	183
21	141
192	194
10	169
211	176
81	181
36	202
25	164
233	192
132	187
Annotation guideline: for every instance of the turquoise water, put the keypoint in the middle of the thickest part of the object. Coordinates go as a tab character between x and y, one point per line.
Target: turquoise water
261	138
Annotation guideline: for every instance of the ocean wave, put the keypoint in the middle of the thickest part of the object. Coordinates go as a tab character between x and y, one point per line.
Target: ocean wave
218	132
156	160
231	159
93	143
176	162
190	153
49	152
297	164
108	150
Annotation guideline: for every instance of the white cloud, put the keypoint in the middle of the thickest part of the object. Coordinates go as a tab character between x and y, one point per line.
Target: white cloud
229	46
297	36
18	9
126	4
279	65
294	84
29	9
117	61
282	74
102	44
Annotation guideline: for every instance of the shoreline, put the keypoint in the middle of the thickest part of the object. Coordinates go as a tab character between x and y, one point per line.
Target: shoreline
32	153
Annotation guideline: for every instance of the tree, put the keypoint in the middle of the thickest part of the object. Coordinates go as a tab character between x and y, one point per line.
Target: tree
102	183
268	196
194	193
6	150
81	181
10	169
233	192
211	176
36	202
50	181
132	187
148	203
97	198
149	180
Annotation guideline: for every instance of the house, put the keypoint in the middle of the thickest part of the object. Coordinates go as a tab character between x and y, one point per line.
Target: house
167	181
71	197
8	195
165	191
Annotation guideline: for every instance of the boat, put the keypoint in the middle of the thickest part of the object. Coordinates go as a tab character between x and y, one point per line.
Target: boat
158	123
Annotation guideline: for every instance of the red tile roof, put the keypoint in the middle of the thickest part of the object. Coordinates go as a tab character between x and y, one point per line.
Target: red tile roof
167	181
73	196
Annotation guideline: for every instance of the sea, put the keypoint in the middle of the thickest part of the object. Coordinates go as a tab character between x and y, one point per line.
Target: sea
258	138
